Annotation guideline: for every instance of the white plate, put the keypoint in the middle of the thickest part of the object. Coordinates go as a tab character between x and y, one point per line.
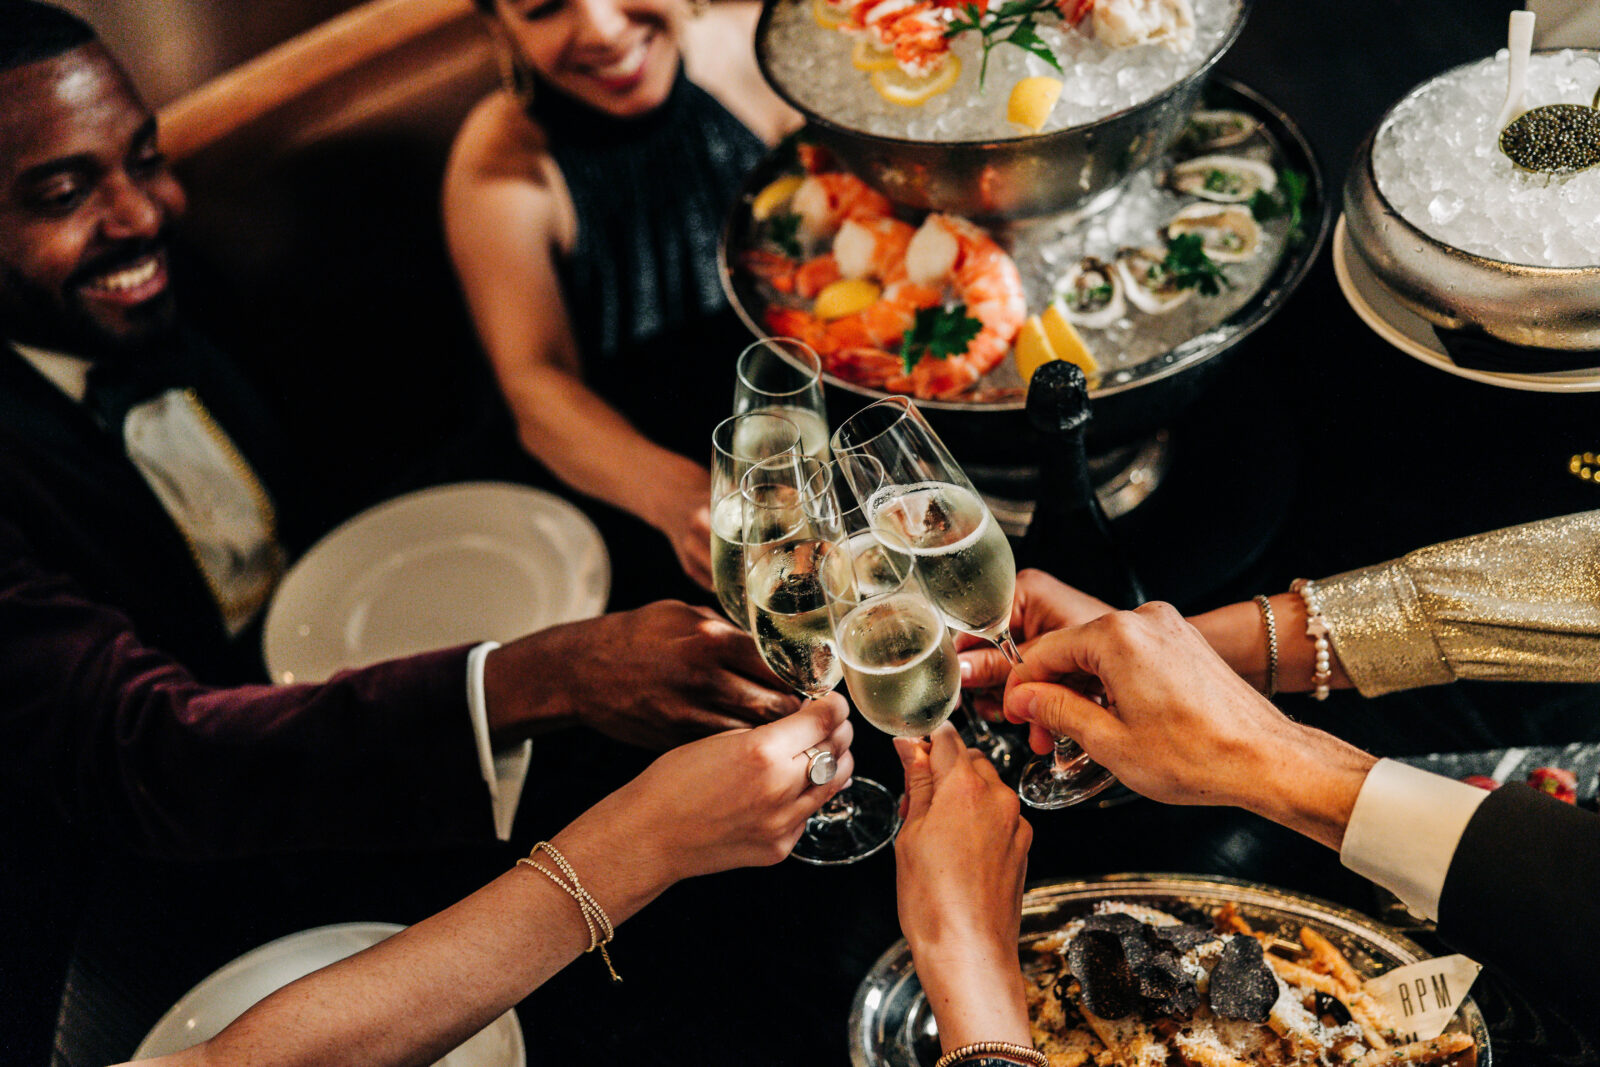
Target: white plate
460	563
1413	334
227	993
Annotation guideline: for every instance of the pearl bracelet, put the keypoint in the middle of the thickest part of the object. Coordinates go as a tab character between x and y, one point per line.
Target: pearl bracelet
1317	630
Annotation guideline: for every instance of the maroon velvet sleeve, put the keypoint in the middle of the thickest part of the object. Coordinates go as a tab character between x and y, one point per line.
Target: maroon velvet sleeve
126	746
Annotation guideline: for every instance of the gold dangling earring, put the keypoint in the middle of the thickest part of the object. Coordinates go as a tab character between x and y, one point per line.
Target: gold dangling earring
516	77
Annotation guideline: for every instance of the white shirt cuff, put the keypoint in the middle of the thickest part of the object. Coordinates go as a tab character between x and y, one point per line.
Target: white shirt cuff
503	772
1404	830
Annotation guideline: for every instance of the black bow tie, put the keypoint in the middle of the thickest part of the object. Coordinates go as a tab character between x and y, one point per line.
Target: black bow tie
113	387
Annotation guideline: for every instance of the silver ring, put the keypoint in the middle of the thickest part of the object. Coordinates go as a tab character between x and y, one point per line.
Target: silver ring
821	765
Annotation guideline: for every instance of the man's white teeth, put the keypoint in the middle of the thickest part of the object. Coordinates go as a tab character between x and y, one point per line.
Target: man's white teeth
627	66
128	278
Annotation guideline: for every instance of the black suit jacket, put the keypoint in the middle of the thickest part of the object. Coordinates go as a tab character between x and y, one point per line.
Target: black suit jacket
128	721
1523	896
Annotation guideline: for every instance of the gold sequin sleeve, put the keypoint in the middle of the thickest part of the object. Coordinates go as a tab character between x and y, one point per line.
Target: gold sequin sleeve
1519	604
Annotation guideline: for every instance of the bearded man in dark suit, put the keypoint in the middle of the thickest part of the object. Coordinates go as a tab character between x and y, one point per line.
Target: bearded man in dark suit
144	515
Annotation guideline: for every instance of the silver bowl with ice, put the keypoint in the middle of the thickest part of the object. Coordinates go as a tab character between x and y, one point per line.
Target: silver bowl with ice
1078	167
1462	239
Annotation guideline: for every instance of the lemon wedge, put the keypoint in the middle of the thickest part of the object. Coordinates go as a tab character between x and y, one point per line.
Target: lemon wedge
1031	101
846	297
1032	348
769	200
1067	344
868	54
898	87
829	16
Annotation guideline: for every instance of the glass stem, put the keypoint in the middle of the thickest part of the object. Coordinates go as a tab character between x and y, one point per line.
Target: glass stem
838	809
1007	647
1062	756
980	726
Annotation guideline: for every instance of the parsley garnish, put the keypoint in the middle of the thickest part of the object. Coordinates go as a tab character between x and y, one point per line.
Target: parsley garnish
1014	15
1190	268
783	230
938	332
1094	297
1288	199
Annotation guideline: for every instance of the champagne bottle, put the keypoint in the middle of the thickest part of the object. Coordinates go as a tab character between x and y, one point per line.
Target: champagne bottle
1069	535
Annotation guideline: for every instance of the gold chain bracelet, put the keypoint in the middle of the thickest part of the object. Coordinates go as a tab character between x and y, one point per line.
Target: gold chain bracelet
594	916
1021	1053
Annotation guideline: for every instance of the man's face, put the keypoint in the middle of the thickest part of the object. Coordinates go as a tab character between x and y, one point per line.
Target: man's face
86	205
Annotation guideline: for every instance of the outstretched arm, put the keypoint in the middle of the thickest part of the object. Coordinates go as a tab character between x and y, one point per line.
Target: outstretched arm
737	799
503	220
1510	875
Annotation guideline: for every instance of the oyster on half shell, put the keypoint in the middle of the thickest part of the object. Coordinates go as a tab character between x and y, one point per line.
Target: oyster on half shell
1091	293
1222	179
1145	278
1228	232
1209	130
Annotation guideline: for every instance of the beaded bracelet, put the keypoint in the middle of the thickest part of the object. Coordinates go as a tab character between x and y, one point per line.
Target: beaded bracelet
1271	624
594	916
985	1053
1317	630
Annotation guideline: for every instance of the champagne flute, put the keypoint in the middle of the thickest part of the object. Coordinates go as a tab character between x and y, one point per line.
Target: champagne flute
893	645
783	376
736	445
790	560
963	556
876	563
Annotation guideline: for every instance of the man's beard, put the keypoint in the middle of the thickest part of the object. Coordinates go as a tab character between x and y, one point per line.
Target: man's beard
32	314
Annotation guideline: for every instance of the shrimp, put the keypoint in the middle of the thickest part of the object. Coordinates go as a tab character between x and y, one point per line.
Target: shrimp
872	247
825	201
918	40
1074	11
787	276
966	259
1124	23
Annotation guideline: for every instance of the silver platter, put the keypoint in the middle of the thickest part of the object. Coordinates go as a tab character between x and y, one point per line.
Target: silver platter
891	1025
1149	348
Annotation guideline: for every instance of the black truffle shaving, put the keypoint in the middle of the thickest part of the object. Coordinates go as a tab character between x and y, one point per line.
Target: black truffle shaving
1184	936
1124	966
1331	1006
1242	984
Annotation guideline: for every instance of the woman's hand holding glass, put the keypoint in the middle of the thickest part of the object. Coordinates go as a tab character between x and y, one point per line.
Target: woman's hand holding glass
961	865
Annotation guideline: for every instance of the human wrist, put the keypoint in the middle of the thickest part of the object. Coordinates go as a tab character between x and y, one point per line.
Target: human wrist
1237	633
975	988
672	488
621	867
518	706
1308	781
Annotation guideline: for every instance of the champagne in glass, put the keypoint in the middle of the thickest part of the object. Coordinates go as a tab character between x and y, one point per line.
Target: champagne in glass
736	445
926	499
899	661
783	377
793	556
962	552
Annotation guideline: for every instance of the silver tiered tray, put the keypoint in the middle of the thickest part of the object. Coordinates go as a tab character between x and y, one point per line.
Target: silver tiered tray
892	1026
1150	369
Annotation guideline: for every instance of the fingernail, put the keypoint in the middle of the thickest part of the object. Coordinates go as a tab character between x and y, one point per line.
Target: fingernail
966	670
1022	703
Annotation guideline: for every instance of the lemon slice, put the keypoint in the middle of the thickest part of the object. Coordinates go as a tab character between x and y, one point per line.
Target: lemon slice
868	54
829	16
846	297
1067	344
769	200
1031	101
898	87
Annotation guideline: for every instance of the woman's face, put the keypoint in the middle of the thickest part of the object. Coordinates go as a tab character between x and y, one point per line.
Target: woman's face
618	56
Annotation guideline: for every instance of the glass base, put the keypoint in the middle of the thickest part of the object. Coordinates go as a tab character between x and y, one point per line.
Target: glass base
850	827
1062	778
